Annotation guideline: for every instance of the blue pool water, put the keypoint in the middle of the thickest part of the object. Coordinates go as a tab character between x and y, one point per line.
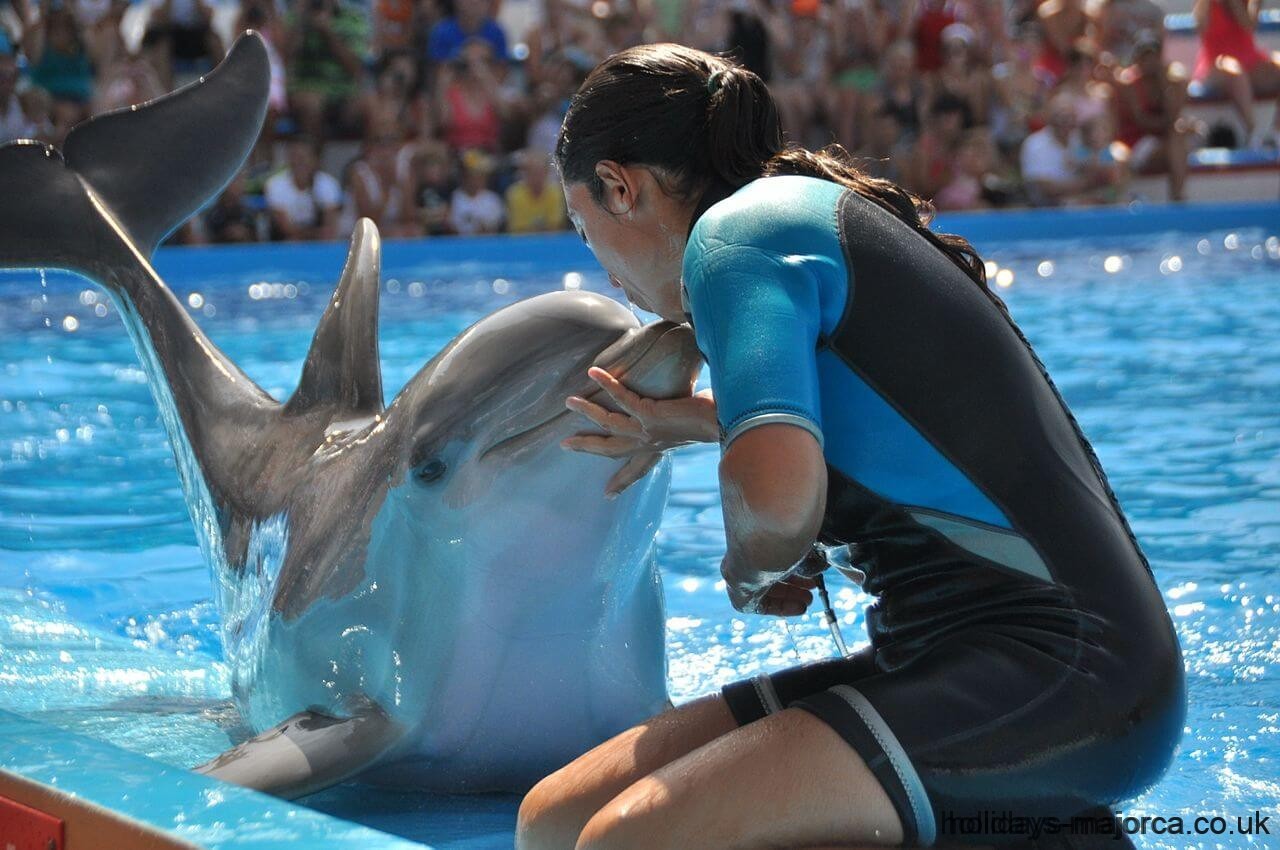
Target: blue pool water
1167	347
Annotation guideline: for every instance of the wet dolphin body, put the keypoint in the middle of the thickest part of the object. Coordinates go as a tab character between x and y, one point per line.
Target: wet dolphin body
431	592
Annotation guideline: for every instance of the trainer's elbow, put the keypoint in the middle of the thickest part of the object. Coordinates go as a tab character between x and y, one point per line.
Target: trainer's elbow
773	483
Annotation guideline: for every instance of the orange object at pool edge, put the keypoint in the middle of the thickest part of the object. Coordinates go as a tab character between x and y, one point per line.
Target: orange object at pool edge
25	828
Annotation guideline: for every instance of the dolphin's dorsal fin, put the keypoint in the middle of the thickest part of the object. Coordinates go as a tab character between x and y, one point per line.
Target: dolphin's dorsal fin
342	368
141	170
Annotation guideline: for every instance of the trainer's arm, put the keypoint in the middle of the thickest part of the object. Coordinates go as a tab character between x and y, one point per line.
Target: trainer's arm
773	485
756	315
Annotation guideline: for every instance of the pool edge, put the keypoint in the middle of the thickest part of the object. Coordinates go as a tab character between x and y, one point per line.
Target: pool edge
91	784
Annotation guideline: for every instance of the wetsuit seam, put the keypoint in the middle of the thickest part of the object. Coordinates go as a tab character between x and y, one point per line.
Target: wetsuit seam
963	471
841	237
846	247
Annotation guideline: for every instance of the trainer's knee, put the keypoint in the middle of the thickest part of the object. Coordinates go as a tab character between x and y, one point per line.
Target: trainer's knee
637	819
550	816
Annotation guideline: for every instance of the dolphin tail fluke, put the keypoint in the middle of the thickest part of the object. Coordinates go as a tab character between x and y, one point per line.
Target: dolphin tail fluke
307	753
153	166
46	218
127	178
342	369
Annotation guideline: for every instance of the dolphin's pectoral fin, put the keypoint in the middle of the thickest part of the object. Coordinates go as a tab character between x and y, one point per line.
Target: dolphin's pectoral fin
342	367
306	753
155	165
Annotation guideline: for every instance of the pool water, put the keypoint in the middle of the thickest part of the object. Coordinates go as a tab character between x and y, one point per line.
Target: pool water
1167	347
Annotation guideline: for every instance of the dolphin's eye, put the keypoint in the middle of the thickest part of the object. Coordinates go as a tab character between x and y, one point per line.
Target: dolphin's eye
432	470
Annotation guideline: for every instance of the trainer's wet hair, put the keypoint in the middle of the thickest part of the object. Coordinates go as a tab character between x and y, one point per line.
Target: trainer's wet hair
702	119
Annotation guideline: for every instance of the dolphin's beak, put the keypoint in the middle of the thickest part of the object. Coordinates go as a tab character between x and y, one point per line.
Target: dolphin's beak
659	360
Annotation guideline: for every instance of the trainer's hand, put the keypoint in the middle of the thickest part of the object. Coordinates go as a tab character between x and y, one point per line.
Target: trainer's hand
787	596
642	430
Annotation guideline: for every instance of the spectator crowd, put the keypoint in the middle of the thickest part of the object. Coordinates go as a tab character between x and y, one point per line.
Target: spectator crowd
439	116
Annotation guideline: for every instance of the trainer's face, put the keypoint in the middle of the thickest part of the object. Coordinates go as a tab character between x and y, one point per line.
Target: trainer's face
637	232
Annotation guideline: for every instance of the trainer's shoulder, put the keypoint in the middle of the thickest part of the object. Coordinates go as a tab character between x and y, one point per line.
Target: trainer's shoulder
782	214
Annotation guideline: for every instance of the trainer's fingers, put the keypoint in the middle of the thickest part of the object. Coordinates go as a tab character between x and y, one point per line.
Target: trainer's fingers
632	471
604	446
626	399
618	423
799	582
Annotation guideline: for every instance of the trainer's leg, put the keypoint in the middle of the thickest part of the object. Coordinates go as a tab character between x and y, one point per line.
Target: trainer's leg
554	812
786	781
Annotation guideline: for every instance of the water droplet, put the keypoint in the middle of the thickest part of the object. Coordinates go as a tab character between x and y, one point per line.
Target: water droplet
573	280
70	323
1045	269
196	300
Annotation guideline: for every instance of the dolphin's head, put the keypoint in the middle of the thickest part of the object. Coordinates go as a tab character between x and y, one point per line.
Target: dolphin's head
492	405
484	505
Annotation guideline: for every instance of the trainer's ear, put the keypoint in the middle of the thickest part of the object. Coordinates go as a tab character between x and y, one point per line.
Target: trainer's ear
618	192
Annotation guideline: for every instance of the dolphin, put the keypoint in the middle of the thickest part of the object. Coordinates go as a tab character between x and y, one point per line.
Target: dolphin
430	592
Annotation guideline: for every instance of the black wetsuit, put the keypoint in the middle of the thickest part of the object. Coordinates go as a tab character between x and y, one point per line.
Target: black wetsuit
1021	657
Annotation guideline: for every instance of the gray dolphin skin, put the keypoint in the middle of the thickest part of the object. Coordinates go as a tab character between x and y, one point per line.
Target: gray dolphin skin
430	593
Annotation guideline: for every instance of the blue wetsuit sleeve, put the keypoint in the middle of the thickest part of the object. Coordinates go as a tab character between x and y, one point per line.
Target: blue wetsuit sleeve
756	318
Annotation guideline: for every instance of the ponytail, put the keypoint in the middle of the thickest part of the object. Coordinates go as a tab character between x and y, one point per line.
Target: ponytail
700	120
742	128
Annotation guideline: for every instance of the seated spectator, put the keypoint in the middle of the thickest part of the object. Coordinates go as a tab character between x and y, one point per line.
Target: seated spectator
474	207
550	101
967	187
469	103
1096	158
371	188
303	202
1020	92
59	62
395	107
1149	99
430	189
182	33
801	69
1230	60
963	76
99	24
1091	99
127	80
260	15
535	203
470	20
394	26
933	157
230	219
1049	170
14	123
1119	23
901	90
934	16
859	36
324	51
883	149
1064	24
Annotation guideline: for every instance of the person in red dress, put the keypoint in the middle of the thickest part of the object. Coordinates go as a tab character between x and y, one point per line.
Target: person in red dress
1231	61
